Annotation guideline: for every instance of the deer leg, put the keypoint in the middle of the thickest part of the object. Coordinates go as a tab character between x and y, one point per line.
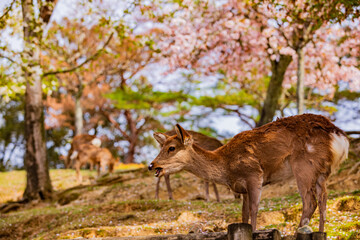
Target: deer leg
91	166
254	194
111	167
157	188
308	199
207	197
245	207
98	169
167	181
78	175
321	195
216	193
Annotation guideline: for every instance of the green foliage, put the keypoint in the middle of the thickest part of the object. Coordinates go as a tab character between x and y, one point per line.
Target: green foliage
238	98
144	98
346	94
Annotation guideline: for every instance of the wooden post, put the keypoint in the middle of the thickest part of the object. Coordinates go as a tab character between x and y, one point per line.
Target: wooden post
303	236
319	236
269	234
239	231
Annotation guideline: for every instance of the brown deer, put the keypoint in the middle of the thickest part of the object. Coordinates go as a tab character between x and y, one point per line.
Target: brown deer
308	147
76	142
96	156
203	141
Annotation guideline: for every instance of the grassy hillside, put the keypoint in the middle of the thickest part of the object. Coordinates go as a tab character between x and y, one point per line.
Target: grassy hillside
123	205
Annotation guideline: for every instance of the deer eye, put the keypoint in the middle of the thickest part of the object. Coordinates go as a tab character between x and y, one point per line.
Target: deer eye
171	149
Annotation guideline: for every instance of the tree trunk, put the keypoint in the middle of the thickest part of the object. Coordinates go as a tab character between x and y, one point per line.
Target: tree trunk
274	90
130	156
79	125
300	81
79	120
38	185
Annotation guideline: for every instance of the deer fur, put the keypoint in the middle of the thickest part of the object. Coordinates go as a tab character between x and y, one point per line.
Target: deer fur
76	142
96	156
308	147
205	142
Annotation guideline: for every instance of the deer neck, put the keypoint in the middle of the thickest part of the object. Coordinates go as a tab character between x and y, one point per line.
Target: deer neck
207	165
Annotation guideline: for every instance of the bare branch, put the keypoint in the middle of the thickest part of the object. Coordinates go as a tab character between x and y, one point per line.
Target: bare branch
11	60
93	57
115	123
352	132
7	10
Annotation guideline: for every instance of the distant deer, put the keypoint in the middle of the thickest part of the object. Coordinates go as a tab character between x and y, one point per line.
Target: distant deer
96	156
76	142
308	147
205	142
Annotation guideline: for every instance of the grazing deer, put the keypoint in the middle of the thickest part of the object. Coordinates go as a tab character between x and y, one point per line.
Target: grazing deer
96	156
205	142
308	147
76	142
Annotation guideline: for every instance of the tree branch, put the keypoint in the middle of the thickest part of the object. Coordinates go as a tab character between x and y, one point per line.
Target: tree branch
352	132
93	57
11	60
7	10
115	123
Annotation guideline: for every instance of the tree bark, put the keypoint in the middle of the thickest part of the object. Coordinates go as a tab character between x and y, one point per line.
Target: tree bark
300	81
79	121
38	184
79	124
274	90
133	137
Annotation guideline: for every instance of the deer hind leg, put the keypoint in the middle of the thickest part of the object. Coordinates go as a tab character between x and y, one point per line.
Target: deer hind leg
207	197
306	187
216	193
245	207
321	195
254	193
167	181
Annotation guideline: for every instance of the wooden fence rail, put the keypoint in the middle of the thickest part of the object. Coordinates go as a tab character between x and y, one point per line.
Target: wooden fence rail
236	231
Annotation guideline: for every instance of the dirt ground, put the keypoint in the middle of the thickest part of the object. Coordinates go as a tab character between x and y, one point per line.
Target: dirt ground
123	205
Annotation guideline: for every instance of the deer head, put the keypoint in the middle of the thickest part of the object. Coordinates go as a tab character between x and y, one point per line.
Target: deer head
174	154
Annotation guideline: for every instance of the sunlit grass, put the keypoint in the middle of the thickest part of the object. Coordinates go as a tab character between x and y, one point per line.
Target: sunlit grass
13	183
128	166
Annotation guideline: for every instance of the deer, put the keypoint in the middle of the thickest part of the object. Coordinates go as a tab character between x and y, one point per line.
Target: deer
96	156
306	147
76	142
205	142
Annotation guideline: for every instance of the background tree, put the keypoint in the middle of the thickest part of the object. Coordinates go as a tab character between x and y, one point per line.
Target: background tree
38	184
297	23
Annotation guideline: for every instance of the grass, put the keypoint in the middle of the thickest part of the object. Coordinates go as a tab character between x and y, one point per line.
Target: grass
127	209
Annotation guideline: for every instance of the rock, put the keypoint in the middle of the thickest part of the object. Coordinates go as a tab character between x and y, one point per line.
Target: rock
304	230
349	203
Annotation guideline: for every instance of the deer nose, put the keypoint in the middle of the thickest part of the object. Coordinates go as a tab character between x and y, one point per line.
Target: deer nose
150	166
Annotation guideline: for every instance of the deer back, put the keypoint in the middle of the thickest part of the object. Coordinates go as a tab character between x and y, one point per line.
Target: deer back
206	142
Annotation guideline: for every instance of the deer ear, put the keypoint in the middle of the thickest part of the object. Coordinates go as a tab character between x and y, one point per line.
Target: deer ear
160	137
184	136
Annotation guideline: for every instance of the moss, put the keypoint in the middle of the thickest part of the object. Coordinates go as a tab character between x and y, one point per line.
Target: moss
348	203
68	198
293	214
